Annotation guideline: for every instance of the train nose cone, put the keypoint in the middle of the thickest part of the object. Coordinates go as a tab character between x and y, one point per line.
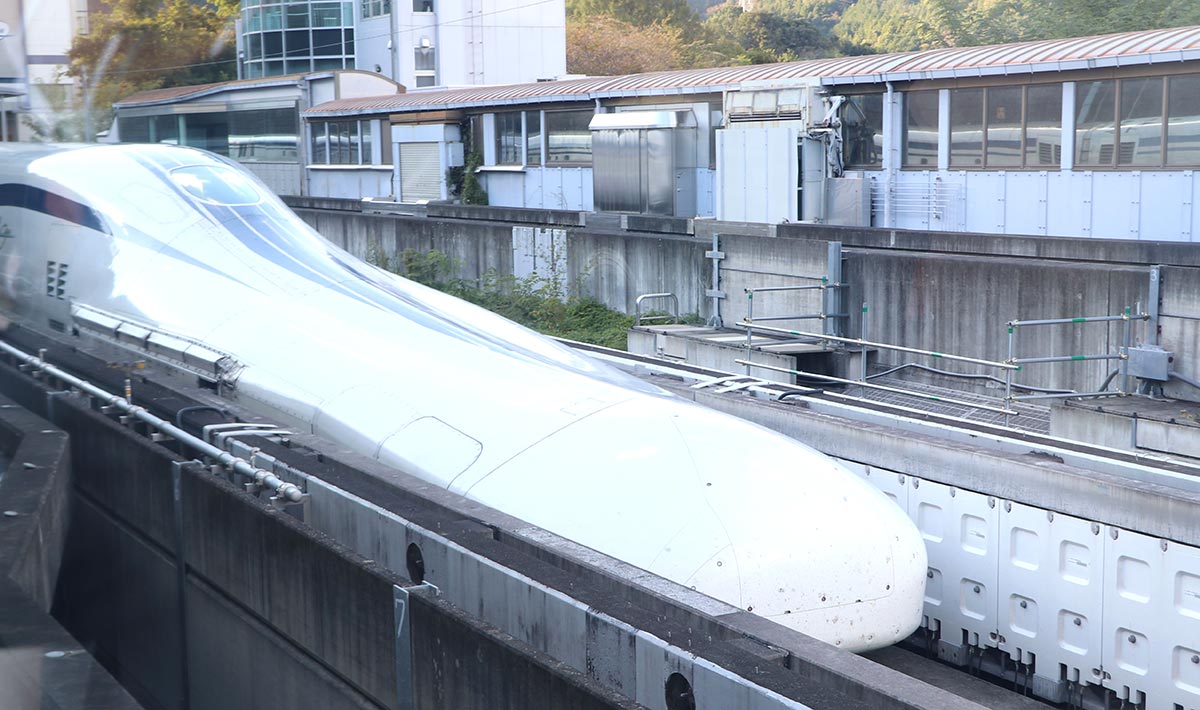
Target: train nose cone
769	525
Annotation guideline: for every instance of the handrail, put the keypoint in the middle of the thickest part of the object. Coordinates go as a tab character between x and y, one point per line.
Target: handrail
266	479
637	307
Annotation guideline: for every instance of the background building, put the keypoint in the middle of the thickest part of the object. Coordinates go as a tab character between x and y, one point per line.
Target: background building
417	43
33	63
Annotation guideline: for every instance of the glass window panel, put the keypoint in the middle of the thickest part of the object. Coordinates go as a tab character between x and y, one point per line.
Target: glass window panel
966	128
327	14
921	129
862	131
1183	120
254	70
254	47
1095	122
297	16
263	136
166	129
364	133
422	5
508	138
1141	122
1004	127
426	80
568	139
326	64
1043	126
297	66
348	14
253	20
319	150
424	58
272	18
533	137
272	68
209	131
297	43
348	42
326	43
134	130
272	45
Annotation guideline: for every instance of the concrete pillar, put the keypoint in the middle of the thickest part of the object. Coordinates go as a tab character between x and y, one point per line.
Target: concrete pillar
943	157
1068	126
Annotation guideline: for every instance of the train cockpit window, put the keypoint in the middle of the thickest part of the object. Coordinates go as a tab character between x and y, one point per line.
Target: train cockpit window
217	184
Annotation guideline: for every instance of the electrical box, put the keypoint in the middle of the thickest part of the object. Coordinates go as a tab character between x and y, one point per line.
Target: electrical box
1149	363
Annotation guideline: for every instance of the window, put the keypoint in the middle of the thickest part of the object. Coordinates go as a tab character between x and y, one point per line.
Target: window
966	128
1005	108
1141	122
424	59
920	129
1043	126
1135	122
134	130
568	138
375	8
344	143
862	131
1183	120
508	138
533	137
422	5
1006	127
263	136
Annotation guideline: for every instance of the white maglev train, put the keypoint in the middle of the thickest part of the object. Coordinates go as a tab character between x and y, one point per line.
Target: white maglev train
187	259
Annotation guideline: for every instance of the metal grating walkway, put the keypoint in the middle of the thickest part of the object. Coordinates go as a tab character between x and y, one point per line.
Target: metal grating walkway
1032	417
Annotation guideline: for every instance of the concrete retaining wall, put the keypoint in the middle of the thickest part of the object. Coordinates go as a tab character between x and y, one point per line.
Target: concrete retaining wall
41	664
951	293
267	613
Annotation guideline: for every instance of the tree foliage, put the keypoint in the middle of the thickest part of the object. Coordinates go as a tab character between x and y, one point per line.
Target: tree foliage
137	45
762	37
603	45
676	13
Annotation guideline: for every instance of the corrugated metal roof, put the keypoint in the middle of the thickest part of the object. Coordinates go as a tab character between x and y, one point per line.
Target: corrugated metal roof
175	93
1177	44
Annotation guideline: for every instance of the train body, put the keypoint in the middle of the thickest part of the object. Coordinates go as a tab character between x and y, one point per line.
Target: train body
183	257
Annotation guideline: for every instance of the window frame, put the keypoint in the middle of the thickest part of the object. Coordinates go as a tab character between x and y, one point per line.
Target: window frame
986	125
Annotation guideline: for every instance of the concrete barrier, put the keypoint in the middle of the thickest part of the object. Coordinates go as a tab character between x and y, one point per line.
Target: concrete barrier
41	664
197	594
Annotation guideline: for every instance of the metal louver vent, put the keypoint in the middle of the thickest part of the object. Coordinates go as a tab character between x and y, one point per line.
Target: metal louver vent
56	279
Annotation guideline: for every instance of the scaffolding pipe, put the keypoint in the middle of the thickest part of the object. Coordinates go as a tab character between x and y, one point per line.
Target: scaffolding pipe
1008	374
1067	358
260	477
1083	319
884	346
885	388
862	332
1065	395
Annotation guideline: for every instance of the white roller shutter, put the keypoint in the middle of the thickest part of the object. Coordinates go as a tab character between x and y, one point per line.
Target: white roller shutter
420	172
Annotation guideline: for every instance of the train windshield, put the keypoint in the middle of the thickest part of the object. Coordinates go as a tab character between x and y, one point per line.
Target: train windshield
217	185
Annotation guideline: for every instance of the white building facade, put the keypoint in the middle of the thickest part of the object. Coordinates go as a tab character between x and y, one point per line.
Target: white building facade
1086	137
34	87
417	43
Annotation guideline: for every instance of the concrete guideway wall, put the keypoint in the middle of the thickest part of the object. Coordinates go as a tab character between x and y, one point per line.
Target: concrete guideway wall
1091	577
951	293
273	614
41	664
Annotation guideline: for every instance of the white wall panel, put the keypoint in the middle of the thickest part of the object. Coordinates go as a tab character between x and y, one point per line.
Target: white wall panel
1164	198
985	195
1024	203
1051	592
1152	621
959	528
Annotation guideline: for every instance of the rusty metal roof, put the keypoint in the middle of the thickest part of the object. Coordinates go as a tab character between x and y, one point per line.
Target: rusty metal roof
177	93
1144	47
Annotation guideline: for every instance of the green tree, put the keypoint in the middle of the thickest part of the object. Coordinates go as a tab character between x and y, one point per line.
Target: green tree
603	46
762	37
638	12
890	25
137	45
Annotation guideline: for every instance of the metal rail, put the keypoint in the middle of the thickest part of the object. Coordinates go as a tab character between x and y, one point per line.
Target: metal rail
637	307
921	395
282	489
1122	354
886	346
